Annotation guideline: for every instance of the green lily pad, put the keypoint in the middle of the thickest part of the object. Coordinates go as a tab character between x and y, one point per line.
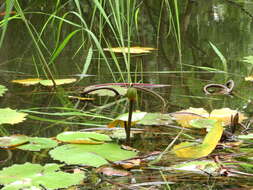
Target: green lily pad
202	123
10	116
33	176
14	140
201	167
136	116
38	143
77	137
91	155
3	89
57	82
155	119
106	92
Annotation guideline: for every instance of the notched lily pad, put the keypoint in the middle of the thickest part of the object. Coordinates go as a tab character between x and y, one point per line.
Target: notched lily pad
35	176
101	91
27	82
156	119
3	89
12	141
77	137
33	81
38	143
10	116
90	155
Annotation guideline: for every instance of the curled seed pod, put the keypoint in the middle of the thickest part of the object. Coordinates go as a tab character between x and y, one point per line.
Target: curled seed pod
131	94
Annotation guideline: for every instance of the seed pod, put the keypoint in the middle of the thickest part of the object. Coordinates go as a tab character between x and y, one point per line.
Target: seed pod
131	94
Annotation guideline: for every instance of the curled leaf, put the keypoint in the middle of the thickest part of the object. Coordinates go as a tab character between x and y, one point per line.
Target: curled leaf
193	150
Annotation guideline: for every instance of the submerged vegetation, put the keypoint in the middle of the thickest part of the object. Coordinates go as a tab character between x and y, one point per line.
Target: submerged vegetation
131	89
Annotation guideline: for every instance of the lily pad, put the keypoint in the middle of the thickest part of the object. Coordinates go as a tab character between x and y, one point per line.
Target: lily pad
10	116
33	176
194	150
202	123
106	92
3	89
38	143
156	119
91	155
57	82
28	82
77	137
119	121
201	167
14	140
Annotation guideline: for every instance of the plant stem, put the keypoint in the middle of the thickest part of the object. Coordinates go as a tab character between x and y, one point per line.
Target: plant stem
129	121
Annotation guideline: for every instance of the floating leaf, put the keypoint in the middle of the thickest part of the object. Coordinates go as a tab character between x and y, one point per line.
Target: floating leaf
38	143
3	89
14	140
10	116
156	119
28	82
33	81
184	117
106	92
57	82
119	121
223	115
194	150
33	176
91	155
132	50
77	137
202	123
201	167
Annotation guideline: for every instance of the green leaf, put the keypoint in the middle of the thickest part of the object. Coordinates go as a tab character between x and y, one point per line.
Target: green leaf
106	92
38	143
155	119
91	155
202	167
3	89
248	59
29	175
136	116
9	116
14	140
78	137
202	123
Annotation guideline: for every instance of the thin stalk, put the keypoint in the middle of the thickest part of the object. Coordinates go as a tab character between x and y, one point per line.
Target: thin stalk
129	121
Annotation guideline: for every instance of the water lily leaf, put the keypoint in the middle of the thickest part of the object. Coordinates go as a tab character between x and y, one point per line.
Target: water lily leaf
91	155
194	150
184	117
28	82
119	121
3	89
224	115
14	140
156	119
57	82
38	143
202	123
132	50
77	137
33	176
201	167
106	92
10	116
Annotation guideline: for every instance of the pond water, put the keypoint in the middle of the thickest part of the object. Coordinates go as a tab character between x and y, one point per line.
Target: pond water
183	60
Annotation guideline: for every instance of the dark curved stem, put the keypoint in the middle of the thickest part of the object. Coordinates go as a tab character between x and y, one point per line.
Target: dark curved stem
154	94
99	88
129	121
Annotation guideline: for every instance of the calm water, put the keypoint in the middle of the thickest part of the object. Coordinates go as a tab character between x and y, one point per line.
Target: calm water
225	24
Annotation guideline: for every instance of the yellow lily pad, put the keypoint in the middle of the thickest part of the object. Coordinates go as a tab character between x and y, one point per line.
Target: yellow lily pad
194	150
27	82
132	50
57	82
